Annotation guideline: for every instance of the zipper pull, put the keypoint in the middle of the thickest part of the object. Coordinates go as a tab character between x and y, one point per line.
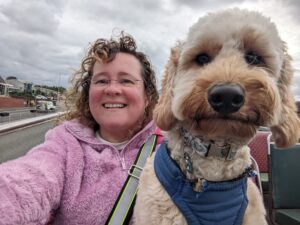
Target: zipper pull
123	164
199	184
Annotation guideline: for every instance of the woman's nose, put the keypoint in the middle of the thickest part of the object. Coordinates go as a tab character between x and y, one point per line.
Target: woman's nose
113	88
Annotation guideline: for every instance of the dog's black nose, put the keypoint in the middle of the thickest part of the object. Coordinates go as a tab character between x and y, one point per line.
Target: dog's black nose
226	98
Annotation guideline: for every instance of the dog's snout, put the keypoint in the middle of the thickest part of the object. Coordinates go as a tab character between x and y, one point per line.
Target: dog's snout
227	98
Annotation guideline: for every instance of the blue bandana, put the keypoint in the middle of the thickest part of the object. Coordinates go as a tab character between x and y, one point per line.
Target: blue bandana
218	203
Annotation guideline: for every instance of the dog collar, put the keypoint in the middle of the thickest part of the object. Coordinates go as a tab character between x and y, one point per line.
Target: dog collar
221	150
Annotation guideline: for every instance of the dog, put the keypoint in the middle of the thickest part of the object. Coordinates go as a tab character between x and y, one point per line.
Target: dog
231	75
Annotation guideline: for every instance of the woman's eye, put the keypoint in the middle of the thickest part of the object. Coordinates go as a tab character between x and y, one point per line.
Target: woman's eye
102	81
202	59
126	81
253	59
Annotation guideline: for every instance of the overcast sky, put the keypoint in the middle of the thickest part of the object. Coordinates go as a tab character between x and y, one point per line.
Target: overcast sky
43	41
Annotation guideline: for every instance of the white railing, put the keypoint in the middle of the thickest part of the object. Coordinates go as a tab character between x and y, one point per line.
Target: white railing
28	122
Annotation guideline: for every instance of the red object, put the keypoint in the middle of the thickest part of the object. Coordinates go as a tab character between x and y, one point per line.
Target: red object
259	150
160	136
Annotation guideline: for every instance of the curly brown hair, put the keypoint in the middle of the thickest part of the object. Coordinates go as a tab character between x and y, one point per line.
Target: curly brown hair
104	51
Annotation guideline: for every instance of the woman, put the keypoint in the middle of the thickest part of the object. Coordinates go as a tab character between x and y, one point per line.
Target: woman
81	167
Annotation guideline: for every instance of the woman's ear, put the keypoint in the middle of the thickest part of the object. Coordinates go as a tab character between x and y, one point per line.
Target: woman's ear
287	131
163	114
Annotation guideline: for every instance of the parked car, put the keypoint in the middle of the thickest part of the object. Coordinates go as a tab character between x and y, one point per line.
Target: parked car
45	106
40	97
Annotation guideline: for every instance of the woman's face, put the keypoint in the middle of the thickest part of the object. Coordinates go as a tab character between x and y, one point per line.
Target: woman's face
117	97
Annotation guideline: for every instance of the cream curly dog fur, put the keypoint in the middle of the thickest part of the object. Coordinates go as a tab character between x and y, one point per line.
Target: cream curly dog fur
231	75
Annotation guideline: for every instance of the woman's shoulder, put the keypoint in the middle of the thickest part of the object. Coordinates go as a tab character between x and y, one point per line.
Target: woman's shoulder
68	127
71	126
73	129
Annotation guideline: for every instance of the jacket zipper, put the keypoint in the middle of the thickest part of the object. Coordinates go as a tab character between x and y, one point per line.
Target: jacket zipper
121	160
123	164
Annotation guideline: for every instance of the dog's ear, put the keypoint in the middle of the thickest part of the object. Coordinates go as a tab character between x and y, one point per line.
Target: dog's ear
287	131
163	114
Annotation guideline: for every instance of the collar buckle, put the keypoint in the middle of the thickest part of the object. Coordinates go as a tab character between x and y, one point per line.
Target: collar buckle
212	149
223	151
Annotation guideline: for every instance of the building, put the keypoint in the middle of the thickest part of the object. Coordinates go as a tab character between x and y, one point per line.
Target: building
28	87
23	86
17	85
4	87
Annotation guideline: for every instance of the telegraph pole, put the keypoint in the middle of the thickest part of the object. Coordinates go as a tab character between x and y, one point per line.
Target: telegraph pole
58	87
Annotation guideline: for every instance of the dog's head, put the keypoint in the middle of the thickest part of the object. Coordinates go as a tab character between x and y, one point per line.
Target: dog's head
231	75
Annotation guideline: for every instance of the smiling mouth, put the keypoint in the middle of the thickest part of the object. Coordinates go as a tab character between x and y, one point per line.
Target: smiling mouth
114	106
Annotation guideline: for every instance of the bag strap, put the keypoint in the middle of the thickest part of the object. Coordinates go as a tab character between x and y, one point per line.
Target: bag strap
123	208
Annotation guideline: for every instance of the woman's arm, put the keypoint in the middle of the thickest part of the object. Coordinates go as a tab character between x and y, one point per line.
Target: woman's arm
31	186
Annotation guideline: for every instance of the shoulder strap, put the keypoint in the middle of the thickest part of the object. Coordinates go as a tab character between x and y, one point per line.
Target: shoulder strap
123	208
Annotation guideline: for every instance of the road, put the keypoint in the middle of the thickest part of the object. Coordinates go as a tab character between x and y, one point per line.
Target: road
19	114
17	143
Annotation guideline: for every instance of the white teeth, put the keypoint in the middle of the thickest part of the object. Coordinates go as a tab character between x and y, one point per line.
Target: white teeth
114	105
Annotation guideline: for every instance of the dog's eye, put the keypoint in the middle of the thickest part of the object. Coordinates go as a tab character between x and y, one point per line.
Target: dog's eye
202	59
253	59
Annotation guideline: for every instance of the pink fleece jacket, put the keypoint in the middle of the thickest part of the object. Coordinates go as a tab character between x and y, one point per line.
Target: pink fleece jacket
72	172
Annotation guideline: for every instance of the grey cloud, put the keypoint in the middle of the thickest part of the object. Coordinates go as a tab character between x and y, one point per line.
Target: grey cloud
207	4
127	12
32	15
44	40
29	43
36	58
158	56
41	50
294	7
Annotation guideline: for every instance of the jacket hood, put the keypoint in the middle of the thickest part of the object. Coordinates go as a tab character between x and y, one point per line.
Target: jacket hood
86	134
